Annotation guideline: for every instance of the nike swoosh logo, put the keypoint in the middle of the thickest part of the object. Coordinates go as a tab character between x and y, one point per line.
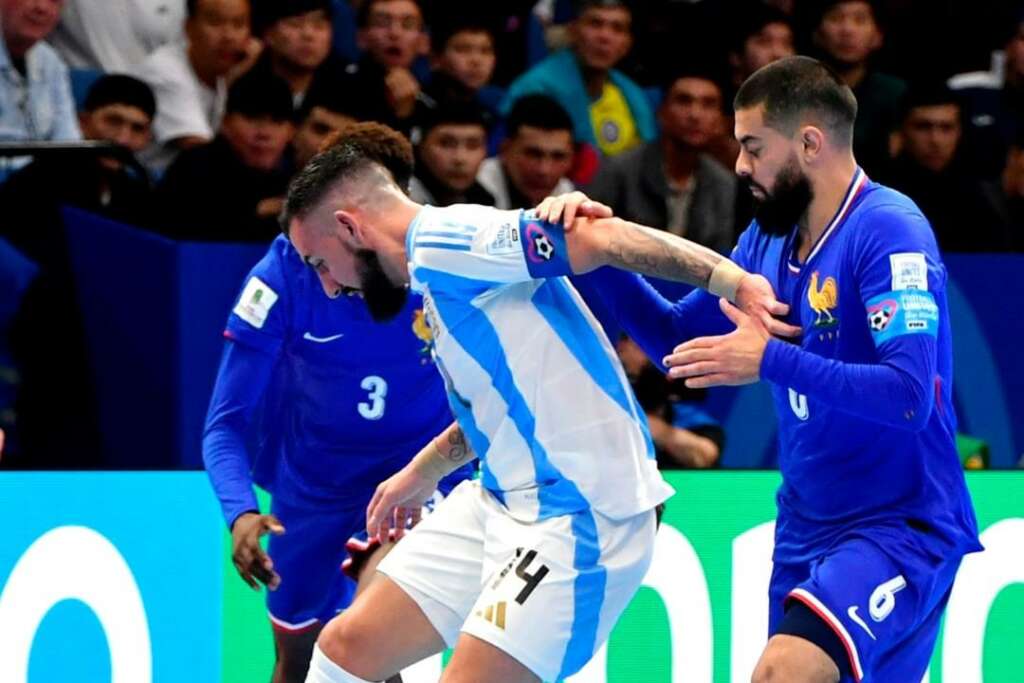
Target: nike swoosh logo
860	622
322	340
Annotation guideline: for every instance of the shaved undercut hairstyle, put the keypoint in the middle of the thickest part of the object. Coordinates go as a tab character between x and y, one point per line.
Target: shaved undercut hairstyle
796	91
353	151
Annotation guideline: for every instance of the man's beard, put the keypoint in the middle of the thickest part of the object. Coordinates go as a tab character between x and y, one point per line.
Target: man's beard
384	299
779	211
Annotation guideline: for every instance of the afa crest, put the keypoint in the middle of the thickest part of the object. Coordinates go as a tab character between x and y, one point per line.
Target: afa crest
823	299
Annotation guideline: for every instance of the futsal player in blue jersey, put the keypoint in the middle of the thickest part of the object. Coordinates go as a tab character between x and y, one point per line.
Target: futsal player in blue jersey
337	403
526	570
873	512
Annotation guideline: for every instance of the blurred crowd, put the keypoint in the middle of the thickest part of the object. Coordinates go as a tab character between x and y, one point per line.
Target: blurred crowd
212	105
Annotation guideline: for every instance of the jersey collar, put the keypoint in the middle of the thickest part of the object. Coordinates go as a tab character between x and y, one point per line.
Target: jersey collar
859	181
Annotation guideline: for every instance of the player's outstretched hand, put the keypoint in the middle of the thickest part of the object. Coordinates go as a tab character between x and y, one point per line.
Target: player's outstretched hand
565	208
398	501
755	297
730	359
249	559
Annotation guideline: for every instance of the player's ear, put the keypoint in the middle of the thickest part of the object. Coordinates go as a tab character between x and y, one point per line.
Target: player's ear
349	230
812	139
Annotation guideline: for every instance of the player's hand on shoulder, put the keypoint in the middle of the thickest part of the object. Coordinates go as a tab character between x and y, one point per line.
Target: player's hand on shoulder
397	504
755	297
249	558
566	208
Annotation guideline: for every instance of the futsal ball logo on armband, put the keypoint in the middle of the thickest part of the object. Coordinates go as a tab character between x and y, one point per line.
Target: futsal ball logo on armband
881	314
540	247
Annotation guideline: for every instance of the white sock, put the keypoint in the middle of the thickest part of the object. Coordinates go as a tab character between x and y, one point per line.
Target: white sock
323	670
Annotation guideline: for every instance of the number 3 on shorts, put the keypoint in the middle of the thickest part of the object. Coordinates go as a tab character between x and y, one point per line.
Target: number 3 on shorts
883	599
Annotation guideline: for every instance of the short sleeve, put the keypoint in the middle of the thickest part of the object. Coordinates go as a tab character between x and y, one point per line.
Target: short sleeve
481	247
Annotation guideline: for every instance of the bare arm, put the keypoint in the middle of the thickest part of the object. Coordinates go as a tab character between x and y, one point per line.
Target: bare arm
400	498
614	242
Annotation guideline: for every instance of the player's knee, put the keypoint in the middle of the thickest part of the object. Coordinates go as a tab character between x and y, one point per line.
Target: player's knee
344	645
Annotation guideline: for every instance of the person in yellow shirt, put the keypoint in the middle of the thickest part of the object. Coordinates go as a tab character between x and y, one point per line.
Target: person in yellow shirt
610	112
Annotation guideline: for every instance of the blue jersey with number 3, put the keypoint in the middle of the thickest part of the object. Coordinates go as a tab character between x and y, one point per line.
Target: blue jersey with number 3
343	401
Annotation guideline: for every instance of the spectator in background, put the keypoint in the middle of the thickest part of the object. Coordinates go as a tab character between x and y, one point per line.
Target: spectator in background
929	171
35	93
230	190
463	58
672	183
994	104
665	403
848	33
297	39
190	78
1007	194
609	111
117	109
453	144
115	35
325	109
392	36
535	156
764	34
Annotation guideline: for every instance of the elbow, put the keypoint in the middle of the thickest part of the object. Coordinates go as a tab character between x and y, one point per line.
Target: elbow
917	405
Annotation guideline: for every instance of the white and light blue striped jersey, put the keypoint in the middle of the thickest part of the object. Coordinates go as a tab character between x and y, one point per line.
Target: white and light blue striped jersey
532	379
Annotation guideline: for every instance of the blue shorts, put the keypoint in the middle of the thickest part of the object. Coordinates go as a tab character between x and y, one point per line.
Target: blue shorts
308	558
882	596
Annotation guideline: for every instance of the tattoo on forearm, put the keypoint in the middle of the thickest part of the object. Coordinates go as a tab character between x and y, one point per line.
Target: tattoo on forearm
661	254
458	448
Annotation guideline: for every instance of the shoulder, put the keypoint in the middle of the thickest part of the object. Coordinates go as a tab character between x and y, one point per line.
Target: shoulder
47	58
712	170
166	64
633	160
887	84
887	220
545	72
976	80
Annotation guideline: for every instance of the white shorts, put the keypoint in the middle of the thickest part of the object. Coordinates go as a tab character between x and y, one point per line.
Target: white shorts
547	593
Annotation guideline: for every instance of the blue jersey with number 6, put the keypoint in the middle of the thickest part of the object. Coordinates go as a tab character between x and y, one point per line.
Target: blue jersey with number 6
314	400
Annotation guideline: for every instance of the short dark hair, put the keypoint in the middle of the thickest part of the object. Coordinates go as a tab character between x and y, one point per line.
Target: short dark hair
927	94
699	70
192	7
120	89
354	149
266	13
452	113
581	6
326	93
793	88
463	20
752	20
363	14
537	111
819	8
259	94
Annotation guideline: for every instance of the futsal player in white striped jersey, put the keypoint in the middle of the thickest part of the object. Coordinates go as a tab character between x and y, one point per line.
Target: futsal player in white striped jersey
526	570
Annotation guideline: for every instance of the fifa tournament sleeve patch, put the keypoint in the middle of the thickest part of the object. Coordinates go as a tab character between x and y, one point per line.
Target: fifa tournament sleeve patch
505	241
255	303
907	311
543	245
909	271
